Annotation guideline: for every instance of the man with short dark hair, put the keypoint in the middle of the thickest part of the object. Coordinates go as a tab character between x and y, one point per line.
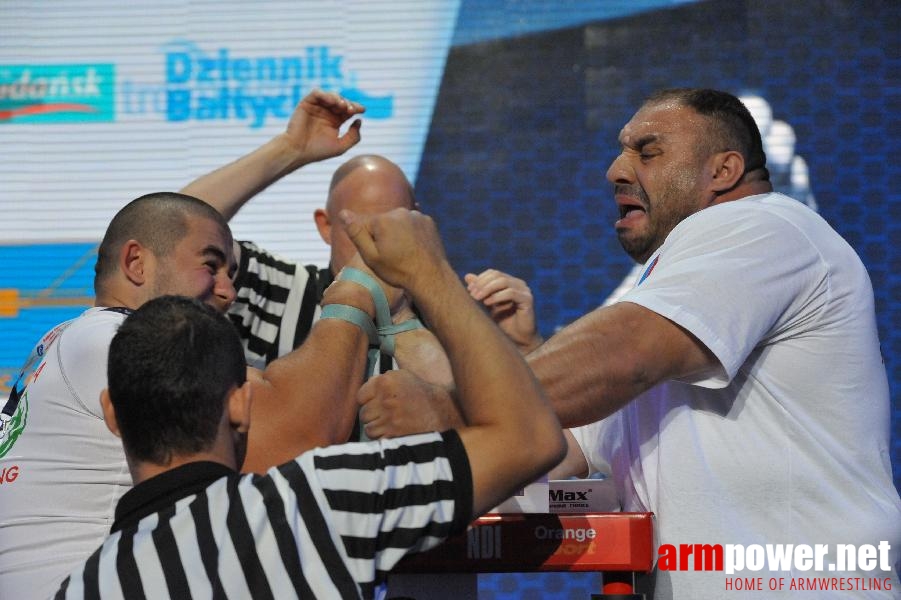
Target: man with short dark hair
334	521
737	391
745	395
71	468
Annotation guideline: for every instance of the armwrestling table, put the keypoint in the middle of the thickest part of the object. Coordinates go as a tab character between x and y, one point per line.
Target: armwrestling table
618	545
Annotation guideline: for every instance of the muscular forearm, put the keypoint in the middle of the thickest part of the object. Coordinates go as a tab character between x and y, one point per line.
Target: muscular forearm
307	398
603	360
482	365
420	352
501	403
582	374
229	187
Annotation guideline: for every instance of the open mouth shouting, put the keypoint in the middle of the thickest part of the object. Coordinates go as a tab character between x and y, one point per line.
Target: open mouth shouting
631	208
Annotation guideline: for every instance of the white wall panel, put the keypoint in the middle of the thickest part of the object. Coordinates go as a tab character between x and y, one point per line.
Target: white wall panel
62	178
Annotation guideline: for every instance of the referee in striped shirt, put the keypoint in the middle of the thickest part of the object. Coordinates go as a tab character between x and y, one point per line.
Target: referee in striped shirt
334	521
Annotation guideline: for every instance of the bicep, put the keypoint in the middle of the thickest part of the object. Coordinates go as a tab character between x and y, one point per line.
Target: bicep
306	398
600	362
282	424
664	349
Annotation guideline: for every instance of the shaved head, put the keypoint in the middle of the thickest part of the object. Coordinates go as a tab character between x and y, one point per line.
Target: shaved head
159	221
367	184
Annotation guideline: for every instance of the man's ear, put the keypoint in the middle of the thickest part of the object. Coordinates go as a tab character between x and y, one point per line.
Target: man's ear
239	407
109	413
324	225
133	261
728	168
236	249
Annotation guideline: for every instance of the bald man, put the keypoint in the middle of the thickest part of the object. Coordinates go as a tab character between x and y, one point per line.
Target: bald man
368	185
278	299
288	293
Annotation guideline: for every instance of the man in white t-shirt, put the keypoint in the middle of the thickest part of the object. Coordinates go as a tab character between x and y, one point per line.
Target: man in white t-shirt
69	470
738	391
745	397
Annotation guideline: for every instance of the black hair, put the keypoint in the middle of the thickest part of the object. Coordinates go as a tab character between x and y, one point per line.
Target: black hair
159	221
733	126
171	365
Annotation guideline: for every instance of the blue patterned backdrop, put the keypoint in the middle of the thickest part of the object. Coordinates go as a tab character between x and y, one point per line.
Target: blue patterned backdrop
526	125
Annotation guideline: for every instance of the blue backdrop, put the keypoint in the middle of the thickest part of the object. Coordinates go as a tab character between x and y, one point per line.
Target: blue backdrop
526	124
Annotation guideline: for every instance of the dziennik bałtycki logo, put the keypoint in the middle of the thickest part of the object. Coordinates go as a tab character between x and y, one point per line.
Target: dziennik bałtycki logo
788	567
222	84
77	93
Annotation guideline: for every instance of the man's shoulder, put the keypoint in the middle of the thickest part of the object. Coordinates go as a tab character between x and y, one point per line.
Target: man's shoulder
96	322
777	215
762	206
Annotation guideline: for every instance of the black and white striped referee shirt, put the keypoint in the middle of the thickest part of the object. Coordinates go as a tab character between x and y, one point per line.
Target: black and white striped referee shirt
276	304
330	524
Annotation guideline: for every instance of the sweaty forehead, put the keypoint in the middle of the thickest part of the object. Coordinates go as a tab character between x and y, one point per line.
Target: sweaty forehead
659	122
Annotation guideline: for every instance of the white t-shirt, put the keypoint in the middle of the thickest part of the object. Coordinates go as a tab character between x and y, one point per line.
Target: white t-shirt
70	470
787	442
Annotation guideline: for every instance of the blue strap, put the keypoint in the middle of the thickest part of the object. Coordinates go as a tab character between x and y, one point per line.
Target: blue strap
381	333
382	310
387	333
353	315
357	317
385	328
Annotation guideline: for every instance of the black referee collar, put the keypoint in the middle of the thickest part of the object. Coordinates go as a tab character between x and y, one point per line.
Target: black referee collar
164	490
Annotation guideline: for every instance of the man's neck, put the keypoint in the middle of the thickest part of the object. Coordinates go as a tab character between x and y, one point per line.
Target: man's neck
107	298
143	470
751	188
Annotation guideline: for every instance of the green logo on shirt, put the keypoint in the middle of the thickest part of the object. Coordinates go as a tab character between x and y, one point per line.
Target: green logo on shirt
14	415
12	425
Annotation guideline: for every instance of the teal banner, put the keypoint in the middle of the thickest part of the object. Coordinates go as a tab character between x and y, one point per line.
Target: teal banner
57	93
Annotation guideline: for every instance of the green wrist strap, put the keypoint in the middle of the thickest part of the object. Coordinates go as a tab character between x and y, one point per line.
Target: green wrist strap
381	333
385	328
354	315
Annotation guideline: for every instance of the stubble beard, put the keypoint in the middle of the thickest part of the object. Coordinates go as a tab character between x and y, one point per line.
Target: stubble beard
662	216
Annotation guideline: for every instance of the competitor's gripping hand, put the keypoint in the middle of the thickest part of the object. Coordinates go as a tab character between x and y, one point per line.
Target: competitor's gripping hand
399	403
402	246
510	303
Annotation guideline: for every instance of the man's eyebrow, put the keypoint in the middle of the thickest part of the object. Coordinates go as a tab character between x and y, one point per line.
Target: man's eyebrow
215	251
232	266
642	141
